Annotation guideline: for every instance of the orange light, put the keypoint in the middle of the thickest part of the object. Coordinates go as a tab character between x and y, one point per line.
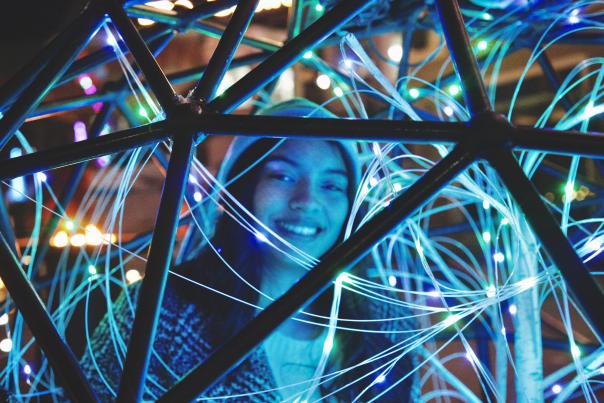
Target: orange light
77	240
93	235
144	22
162	5
60	240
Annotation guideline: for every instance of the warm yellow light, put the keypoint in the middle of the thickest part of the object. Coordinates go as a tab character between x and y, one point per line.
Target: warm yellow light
162	4
262	6
93	235
77	240
1	284
109	238
6	345
184	3
26	259
60	240
144	22
133	275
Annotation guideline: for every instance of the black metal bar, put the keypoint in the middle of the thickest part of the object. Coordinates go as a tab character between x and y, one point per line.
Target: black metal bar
113	90
59	355
333	263
83	150
214	30
559	142
232	125
156	78
287	55
328	128
156	272
463	58
68	191
88	22
584	288
224	52
6	227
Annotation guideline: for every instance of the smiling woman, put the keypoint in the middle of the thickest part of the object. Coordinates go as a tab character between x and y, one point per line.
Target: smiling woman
294	202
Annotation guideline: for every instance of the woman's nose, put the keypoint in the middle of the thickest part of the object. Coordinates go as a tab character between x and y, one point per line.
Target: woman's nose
304	197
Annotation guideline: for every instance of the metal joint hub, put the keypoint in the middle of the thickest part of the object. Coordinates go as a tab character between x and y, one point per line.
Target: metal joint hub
492	133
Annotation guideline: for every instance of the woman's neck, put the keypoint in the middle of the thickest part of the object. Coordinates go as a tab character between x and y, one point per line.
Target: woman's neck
274	283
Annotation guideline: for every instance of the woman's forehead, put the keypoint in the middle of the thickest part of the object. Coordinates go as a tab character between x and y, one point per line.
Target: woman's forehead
316	154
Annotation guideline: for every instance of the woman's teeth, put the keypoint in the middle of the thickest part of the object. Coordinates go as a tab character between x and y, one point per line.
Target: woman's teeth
300	229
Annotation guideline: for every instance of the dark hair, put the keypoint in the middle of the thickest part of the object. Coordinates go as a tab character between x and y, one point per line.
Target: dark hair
237	247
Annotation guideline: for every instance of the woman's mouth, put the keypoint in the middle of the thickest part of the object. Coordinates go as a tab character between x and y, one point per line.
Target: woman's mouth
299	230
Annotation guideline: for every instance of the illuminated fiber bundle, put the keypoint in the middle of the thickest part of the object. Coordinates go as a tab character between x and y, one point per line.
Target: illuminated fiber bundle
481	294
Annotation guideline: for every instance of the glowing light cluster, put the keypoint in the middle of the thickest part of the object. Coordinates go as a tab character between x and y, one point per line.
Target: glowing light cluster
91	236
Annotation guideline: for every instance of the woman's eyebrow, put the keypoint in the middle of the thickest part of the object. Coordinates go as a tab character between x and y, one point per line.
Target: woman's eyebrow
290	161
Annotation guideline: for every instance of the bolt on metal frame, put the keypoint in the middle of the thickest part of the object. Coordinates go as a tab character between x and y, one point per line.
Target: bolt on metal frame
486	136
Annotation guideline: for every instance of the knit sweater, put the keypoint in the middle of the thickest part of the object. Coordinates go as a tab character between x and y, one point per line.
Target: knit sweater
181	343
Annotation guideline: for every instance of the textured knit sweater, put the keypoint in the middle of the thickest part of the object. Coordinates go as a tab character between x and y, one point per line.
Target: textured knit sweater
180	345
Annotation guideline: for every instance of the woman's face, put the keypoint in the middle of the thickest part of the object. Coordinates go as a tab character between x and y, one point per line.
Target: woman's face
302	195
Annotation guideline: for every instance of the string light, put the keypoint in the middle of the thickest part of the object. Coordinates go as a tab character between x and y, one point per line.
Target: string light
77	240
308	55
343	278
6	345
26	369
79	131
448	111
392	280
3	319
574	16
133	275
92	270
60	240
491	291
161	5
338	92
433	294
323	81
197	196
261	237
143	112
451	319
454	89
184	3
414	93
395	52
498	257
486	236
575	351
41	176
512	309
482	45
145	22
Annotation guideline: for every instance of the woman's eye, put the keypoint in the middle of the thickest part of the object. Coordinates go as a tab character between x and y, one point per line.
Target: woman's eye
281	177
334	187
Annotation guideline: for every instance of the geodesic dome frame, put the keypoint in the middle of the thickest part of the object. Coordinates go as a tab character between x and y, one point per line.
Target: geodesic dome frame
487	136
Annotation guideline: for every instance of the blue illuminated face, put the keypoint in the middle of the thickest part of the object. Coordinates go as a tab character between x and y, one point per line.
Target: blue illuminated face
302	195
